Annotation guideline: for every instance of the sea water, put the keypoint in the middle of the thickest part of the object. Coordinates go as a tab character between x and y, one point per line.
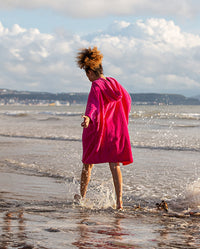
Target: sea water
165	144
46	141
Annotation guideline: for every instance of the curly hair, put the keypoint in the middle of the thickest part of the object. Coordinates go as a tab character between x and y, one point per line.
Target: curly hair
90	58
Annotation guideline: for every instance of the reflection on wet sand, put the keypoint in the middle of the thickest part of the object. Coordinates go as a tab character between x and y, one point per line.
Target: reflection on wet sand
13	231
96	229
179	233
93	234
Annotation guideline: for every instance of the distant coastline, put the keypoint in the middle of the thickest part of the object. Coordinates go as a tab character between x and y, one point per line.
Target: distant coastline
13	97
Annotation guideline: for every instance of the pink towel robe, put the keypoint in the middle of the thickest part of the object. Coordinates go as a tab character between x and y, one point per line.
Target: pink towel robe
107	139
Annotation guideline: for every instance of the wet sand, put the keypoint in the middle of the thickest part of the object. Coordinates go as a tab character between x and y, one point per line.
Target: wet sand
26	204
35	212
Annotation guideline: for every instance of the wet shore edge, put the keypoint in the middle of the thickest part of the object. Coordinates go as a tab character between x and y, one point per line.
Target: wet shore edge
19	187
28	203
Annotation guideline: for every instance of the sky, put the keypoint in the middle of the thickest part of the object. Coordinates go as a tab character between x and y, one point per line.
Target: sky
149	46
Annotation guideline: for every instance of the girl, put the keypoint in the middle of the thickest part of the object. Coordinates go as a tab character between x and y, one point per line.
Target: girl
105	135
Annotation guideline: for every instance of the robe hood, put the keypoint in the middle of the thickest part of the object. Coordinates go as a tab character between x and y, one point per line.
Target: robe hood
110	89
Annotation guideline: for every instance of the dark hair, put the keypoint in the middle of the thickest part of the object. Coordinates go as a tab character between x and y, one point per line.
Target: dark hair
98	71
90	59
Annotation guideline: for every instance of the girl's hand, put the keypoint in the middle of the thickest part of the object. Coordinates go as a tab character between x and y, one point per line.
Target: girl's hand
86	121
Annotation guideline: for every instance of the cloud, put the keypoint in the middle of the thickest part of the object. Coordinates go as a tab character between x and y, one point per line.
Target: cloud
146	56
96	8
36	61
153	56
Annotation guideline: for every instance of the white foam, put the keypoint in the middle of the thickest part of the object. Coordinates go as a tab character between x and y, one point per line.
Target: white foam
193	193
100	196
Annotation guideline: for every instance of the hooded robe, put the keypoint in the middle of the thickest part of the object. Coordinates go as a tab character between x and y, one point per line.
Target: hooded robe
107	139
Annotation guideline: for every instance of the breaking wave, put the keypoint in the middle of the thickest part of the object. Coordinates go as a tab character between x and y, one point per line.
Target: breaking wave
165	115
57	138
78	139
49	113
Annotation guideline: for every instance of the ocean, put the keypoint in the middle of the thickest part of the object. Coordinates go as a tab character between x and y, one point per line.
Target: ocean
40	142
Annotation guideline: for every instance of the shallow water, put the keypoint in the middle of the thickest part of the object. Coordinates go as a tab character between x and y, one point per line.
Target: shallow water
165	142
46	142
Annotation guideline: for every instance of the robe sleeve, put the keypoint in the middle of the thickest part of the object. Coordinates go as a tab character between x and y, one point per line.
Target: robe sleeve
92	108
126	100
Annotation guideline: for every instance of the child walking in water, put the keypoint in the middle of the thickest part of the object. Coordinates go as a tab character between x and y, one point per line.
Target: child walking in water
105	135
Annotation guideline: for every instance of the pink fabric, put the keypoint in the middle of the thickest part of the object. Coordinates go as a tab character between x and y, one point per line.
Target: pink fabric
107	139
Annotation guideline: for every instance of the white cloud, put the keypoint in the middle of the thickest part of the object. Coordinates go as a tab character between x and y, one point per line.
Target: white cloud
146	56
17	30
96	8
179	81
36	61
16	69
150	53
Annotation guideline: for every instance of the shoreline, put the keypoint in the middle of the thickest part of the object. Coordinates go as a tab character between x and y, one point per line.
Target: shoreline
16	186
35	214
30	209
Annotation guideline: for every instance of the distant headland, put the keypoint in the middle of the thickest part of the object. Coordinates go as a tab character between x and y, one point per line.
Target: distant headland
12	97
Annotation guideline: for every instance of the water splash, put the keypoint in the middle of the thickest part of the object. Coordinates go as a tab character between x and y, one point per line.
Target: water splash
100	197
193	193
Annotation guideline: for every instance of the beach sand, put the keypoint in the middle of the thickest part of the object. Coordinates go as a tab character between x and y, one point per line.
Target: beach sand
27	203
35	212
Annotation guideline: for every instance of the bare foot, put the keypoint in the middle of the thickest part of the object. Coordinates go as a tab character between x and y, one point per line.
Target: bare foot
77	197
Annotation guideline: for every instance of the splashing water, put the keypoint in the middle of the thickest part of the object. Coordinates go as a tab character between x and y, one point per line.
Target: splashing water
193	193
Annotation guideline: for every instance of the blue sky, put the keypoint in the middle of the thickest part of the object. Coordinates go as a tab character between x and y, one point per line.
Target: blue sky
48	20
148	46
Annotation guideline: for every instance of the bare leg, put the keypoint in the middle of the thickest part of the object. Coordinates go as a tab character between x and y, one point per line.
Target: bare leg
117	179
85	178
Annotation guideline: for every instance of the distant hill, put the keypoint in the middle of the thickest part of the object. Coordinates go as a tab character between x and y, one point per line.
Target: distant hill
26	97
165	99
197	97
